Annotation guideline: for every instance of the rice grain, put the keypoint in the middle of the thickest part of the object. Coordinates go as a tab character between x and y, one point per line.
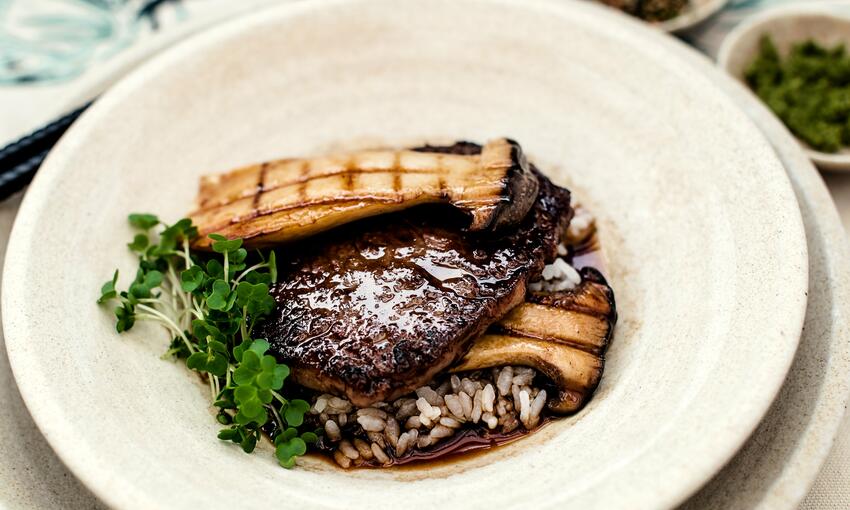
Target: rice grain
348	450
407	409
466	403
403	443
488	396
371	411
379	454
455	382
441	431
430	396
364	448
320	405
506	377
454	405
332	430
490	420
413	423
537	404
377	437
371	423
392	431
450	422
424	441
343	461
476	407
468	386
524	408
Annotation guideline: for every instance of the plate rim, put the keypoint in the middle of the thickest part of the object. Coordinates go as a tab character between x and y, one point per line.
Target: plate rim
103	487
815	445
692	17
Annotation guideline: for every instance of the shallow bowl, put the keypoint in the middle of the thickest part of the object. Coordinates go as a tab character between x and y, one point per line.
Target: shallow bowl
698	222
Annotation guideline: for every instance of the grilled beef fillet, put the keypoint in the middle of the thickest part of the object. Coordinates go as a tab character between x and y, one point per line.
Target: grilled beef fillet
374	310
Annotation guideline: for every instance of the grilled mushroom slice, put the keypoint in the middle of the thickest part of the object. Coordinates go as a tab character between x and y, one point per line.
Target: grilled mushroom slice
563	335
291	199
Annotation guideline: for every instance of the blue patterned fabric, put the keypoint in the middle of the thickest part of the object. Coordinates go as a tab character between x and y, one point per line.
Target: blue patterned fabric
55	40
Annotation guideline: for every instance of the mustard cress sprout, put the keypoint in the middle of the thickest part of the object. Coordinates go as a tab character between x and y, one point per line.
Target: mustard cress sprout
209	304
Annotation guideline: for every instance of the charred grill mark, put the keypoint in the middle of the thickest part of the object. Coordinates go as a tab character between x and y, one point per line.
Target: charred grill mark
256	213
305	178
396	171
261	181
521	333
444	192
348	175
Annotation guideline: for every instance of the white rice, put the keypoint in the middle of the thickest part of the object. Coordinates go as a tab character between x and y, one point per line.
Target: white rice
502	399
557	276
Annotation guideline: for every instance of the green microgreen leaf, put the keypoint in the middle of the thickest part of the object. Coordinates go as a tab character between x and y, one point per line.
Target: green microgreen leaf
126	317
255	298
143	221
223	245
107	291
219	298
209	314
287	451
192	278
294	412
140	243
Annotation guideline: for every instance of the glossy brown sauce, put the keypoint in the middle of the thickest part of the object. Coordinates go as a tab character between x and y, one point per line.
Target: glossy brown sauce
588	253
475	441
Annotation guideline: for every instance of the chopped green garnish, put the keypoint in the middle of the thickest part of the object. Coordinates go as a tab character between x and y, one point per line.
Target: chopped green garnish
209	303
809	90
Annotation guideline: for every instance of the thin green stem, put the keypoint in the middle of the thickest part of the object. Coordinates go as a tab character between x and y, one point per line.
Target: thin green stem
167	320
175	285
279	397
186	256
213	393
259	265
242	328
277	417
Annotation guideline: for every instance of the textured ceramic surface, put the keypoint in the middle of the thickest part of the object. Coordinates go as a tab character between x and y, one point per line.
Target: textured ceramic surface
697	218
695	13
788	26
779	464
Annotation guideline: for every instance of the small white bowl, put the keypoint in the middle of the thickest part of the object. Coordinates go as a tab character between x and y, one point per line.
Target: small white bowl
787	26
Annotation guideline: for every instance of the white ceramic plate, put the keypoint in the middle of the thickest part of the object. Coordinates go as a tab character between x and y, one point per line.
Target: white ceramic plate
780	462
789	25
694	13
698	220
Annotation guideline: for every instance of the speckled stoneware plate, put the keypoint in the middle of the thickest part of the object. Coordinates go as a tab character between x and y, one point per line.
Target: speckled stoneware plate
697	219
821	22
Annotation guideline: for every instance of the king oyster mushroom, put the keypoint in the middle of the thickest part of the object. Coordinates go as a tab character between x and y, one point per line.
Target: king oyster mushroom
562	334
291	199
